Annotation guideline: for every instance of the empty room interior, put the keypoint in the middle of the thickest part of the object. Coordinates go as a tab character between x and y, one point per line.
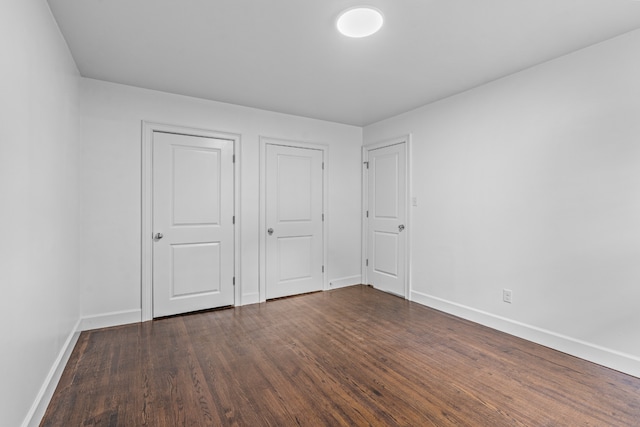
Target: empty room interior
236	212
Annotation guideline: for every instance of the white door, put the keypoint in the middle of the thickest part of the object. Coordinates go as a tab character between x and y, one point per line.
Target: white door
193	254
294	216
386	237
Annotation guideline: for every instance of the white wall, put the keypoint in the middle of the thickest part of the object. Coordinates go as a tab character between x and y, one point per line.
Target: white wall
111	117
532	183
39	308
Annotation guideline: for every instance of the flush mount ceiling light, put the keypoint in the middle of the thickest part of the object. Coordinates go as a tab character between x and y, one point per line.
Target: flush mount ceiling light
361	21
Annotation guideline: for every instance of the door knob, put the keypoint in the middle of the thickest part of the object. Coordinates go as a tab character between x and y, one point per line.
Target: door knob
400	227
158	236
270	231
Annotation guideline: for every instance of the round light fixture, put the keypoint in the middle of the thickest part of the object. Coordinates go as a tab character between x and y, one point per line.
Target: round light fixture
360	21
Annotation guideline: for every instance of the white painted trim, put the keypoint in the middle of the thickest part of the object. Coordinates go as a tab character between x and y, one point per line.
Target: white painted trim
613	359
39	406
343	282
409	190
146	276
237	244
252	298
403	139
107	320
264	140
364	223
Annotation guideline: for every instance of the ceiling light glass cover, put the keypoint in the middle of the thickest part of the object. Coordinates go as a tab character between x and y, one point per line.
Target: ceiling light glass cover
361	21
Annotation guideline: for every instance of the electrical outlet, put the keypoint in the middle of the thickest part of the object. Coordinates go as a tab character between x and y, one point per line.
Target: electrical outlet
506	295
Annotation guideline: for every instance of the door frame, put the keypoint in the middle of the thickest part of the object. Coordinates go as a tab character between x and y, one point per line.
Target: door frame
146	276
404	139
262	228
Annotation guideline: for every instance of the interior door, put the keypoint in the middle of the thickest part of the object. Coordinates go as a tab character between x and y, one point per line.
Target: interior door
193	254
386	237
294	220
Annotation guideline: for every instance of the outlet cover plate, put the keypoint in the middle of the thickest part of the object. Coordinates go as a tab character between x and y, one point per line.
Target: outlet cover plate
506	295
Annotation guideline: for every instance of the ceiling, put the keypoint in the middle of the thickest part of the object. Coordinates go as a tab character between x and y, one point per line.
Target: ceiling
286	56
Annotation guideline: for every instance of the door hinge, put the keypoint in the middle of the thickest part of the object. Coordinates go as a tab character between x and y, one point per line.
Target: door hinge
322	165
367	214
323	217
233	221
367	263
323	268
367	164
234	281
234	158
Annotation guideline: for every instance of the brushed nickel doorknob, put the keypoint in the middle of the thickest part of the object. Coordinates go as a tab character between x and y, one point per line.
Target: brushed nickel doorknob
158	236
270	231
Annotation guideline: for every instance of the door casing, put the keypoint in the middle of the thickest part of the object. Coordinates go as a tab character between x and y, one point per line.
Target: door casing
404	139
263	228
147	208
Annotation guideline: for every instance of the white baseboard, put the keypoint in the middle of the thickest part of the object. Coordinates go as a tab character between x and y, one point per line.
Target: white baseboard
107	320
39	406
627	363
41	402
345	281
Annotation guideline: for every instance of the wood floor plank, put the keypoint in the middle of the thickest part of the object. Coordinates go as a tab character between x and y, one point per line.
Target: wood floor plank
349	357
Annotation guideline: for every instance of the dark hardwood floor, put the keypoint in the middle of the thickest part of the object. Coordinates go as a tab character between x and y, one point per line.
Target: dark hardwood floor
352	356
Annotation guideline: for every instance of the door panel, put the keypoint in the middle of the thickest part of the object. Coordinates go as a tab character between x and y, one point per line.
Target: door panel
387	216
385	253
196	186
385	187
295	188
195	269
296	258
193	261
294	198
